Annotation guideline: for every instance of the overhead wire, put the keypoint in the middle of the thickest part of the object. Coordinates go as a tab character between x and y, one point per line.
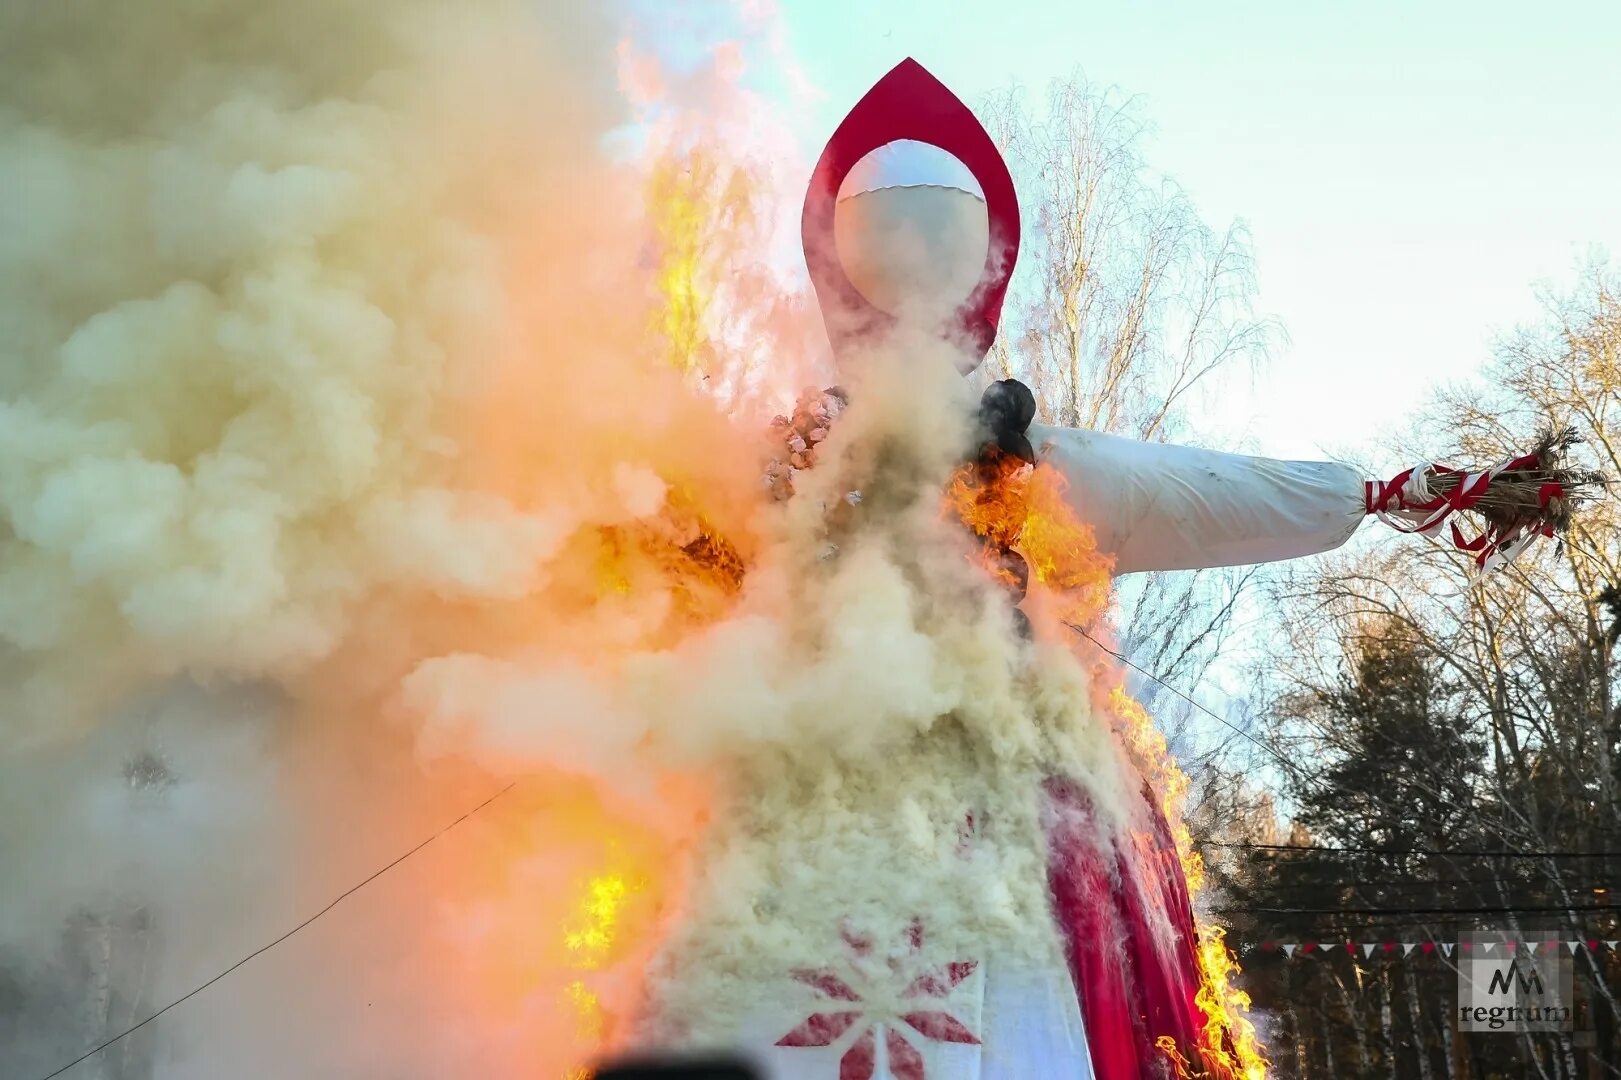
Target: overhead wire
1288	765
194	991
1503	853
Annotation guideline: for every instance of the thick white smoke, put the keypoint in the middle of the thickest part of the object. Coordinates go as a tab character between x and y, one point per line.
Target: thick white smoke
318	323
252	260
344	476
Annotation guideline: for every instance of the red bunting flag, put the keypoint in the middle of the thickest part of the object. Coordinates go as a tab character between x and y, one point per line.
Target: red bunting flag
1426	948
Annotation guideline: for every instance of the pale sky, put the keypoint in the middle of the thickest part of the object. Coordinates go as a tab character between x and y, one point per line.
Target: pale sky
1410	172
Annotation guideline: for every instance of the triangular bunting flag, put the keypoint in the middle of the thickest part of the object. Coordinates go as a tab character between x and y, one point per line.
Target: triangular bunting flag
1407	947
1289	949
1573	946
1612	944
1368	947
1327	945
1488	945
1447	947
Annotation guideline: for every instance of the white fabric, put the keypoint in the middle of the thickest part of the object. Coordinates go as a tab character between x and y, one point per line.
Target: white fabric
1159	507
915	252
1034	1027
911	230
1028	1023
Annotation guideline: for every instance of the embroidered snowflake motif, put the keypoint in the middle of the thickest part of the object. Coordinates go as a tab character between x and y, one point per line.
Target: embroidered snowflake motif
878	1007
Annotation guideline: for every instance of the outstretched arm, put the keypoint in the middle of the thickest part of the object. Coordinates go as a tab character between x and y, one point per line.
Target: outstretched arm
1159	507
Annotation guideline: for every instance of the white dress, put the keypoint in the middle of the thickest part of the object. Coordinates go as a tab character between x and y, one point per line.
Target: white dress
781	974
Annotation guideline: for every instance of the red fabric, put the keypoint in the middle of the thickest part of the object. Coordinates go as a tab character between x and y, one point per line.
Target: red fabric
905	1061
942	982
941	1027
820	1029
829	984
909	103
1385	496
1106	917
1168	970
861	1060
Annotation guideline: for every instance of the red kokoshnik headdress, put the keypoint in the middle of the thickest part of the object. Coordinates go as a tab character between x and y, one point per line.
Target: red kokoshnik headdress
909	103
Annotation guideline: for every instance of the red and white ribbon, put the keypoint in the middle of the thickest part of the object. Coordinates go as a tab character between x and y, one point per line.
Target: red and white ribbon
1408	503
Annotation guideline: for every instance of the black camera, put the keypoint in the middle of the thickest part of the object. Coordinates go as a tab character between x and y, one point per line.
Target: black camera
665	1069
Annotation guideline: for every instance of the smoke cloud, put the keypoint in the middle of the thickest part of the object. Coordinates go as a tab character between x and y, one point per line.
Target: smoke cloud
353	465
325	351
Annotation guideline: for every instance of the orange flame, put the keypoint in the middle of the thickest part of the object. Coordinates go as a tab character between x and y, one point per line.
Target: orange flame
1017	507
679	206
711	208
1012	505
681	554
699	207
704	208
591	941
701	570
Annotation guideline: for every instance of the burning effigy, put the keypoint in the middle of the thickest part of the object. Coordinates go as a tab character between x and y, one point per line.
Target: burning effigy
992	882
358	485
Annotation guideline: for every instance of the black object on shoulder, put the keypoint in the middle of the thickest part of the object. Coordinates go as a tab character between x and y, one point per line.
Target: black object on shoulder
1006	411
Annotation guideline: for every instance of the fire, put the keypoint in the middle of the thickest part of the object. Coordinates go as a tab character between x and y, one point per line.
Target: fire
605	924
682	554
1011	505
1017	507
1152	753
704	208
590	941
1231	1046
679	208
680	568
708	215
1225	1006
600	913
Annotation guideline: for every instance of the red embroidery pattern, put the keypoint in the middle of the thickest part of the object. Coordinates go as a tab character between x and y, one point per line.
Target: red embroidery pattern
861	1059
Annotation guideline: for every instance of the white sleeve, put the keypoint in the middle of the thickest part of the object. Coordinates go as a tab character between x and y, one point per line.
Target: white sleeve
1159	507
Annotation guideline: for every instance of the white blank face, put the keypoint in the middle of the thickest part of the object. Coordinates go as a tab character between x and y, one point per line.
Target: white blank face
912	231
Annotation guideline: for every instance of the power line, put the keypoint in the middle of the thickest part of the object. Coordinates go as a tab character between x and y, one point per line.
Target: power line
1504	853
1348	930
1535	910
1285	762
266	948
1482	885
1414	911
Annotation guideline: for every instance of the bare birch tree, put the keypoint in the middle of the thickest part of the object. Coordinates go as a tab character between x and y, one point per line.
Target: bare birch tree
1124	306
1445	721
